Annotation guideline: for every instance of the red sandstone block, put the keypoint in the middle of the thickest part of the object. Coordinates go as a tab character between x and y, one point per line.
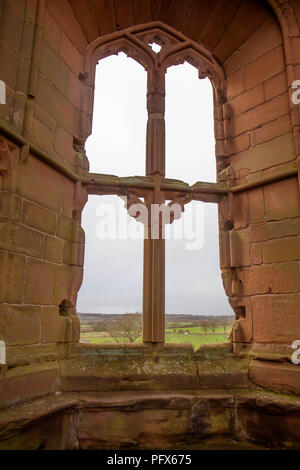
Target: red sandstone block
124	13
282	249
9	67
256	205
264	156
276	206
219	149
261	115
70	54
10	206
54	68
265	39
48	192
257	253
52	31
76	254
235	83
239	248
243	326
20	324
39	283
248	18
38	217
23	76
218	128
54	248
200	12
247	100
68	199
20	239
296	7
63	144
275	86
295	43
29	382
78	233
275	230
76	281
273	129
224	249
276	318
106	16
53	326
74	89
42	135
217	22
63	284
264	68
11	26
88	20
65	228
142	11
43	129
11	277
240	209
63	14
281	377
56	104
278	278
238	144
227	281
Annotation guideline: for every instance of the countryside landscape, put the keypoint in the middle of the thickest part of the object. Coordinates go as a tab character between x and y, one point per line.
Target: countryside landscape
127	328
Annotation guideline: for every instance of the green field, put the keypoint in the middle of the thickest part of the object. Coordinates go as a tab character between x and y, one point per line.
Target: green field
195	336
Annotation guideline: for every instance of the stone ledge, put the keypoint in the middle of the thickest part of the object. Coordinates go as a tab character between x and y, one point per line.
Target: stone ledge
201	419
282	377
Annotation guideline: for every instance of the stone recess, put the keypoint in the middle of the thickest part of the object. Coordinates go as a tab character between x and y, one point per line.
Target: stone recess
48	52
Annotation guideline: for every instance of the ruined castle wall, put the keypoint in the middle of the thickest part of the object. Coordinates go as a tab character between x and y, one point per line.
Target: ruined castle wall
42	45
261	250
41	245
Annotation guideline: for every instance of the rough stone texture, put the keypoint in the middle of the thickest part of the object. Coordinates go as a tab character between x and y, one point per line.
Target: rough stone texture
140	420
43	126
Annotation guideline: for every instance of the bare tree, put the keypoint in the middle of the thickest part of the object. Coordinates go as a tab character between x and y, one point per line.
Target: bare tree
212	325
100	325
126	329
204	325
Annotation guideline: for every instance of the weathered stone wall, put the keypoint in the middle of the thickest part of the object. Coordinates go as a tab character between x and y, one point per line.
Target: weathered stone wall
42	45
134	397
261	249
41	242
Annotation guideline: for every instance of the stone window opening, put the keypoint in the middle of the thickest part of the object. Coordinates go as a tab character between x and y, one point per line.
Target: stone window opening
155	187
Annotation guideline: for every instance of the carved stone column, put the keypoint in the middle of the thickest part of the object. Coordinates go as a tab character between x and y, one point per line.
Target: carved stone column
154	273
155	148
154	248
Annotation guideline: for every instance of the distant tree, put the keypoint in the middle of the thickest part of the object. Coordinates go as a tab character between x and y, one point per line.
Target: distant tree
127	328
212	325
100	325
204	324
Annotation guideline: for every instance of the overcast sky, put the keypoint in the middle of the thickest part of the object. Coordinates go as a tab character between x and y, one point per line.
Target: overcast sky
113	268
